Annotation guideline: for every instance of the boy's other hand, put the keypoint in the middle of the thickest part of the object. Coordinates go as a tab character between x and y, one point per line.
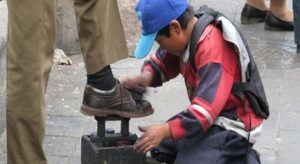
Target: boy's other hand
152	137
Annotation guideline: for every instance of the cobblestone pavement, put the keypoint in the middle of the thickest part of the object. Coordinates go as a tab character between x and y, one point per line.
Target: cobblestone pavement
278	62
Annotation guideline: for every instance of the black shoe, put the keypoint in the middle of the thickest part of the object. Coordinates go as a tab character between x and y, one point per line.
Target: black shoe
273	23
118	101
252	15
298	48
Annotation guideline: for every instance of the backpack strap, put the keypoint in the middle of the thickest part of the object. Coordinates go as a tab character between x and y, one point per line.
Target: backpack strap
252	89
238	90
205	16
238	87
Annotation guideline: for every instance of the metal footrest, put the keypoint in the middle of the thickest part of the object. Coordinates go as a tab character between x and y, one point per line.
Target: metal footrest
101	125
107	147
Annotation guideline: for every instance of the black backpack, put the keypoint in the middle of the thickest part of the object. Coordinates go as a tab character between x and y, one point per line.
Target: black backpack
252	86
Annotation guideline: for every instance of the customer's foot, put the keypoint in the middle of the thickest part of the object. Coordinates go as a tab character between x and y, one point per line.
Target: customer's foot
118	101
252	15
274	23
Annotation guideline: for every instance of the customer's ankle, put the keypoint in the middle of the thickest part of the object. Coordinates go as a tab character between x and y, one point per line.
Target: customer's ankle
102	80
260	6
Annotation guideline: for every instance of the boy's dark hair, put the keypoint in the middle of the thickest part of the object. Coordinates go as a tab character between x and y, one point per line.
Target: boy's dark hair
183	20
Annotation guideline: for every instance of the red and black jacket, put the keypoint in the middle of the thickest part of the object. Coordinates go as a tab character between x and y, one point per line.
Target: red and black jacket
209	86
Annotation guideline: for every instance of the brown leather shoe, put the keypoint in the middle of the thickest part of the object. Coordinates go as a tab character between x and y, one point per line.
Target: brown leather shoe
118	102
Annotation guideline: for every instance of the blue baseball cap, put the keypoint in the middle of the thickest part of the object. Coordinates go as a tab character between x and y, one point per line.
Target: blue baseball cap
155	15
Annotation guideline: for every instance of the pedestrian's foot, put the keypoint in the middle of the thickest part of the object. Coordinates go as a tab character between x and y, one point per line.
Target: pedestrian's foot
119	101
252	15
275	23
284	14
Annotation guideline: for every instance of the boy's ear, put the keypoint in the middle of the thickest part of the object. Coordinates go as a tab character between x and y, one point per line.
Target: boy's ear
175	26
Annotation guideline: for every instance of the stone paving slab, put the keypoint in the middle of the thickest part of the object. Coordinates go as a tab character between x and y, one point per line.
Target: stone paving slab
66	145
289	147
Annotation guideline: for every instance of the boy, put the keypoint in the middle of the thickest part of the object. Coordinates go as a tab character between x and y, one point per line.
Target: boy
217	127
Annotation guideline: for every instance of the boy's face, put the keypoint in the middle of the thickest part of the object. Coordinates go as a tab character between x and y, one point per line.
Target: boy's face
177	42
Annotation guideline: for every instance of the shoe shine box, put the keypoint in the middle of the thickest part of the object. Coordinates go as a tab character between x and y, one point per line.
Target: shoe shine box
107	147
109	152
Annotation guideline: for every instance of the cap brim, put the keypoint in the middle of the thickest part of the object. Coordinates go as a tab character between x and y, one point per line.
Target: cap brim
144	45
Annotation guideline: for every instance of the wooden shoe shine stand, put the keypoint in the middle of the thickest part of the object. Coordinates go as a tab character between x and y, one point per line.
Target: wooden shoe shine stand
107	147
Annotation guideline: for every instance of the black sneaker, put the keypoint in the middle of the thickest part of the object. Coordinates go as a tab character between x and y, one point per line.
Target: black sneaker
119	101
252	15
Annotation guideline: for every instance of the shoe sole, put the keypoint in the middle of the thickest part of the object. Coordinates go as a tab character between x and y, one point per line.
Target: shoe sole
274	28
104	112
246	20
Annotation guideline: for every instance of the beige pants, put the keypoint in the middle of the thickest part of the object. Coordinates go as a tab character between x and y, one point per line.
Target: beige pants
31	40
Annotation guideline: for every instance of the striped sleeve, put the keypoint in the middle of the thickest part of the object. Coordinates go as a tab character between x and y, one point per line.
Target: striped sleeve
209	100
163	65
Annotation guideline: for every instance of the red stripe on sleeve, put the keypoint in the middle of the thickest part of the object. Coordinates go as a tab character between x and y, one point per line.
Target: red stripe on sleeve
176	128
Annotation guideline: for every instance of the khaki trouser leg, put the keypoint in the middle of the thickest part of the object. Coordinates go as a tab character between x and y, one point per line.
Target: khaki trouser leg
31	38
101	33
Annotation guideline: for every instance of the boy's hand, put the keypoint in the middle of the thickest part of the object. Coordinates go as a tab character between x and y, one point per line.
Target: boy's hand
152	137
144	80
137	92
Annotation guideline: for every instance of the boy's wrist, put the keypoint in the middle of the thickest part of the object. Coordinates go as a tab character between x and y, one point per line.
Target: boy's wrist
167	131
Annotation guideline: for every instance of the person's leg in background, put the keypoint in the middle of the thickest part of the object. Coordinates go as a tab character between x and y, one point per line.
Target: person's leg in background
30	47
102	43
296	9
279	17
280	9
258	4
